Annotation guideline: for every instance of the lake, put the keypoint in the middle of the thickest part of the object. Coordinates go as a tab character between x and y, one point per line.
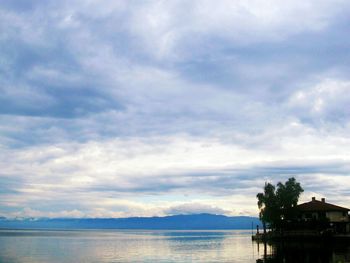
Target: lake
155	246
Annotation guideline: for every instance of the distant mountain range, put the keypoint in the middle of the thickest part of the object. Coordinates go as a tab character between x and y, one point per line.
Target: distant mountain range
176	222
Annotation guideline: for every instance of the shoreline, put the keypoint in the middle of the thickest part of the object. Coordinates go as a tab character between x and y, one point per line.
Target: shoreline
299	236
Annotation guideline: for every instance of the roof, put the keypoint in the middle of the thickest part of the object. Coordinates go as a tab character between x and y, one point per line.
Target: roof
316	205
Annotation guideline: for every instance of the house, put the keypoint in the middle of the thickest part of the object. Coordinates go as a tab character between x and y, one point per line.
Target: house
315	210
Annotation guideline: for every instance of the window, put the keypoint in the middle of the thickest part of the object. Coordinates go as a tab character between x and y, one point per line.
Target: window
308	215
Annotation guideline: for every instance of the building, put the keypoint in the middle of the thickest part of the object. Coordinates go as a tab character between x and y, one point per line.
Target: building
337	217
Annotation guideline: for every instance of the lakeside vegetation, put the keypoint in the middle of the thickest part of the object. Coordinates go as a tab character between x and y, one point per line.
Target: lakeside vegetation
286	219
277	204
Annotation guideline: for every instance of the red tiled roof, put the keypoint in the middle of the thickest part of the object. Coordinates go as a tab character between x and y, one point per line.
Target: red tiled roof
316	205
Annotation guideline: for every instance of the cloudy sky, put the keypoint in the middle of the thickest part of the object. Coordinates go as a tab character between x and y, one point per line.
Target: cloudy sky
142	108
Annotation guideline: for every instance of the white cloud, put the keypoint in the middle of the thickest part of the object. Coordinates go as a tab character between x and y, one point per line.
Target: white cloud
195	208
171	28
327	100
169	98
28	212
82	174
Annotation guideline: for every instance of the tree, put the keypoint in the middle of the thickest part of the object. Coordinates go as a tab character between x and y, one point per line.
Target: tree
288	195
278	205
268	205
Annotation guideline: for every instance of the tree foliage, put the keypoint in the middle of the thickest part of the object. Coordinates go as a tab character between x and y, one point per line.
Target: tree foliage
277	204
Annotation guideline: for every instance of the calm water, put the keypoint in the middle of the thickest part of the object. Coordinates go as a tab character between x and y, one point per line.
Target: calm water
153	246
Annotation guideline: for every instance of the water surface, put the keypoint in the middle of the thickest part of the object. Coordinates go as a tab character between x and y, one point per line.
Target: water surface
152	246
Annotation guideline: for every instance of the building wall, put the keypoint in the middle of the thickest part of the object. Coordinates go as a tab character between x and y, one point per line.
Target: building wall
337	217
310	215
332	216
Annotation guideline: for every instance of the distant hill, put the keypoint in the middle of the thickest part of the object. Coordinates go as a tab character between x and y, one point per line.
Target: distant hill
180	222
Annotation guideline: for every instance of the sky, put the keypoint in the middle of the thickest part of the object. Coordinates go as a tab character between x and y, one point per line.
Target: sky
154	108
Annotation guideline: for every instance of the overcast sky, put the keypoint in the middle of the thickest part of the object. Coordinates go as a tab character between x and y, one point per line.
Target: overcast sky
142	108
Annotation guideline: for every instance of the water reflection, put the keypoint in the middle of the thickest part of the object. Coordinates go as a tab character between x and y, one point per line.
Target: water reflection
126	246
157	246
306	252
